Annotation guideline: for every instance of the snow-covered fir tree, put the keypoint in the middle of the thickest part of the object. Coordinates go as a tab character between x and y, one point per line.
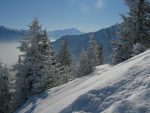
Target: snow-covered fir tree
134	29
139	14
34	68
64	58
122	52
91	57
94	52
5	97
85	66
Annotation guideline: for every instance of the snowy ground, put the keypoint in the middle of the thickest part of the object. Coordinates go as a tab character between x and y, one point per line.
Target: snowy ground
124	88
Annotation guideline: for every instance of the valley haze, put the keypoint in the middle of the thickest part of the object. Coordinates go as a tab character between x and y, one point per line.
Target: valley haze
77	41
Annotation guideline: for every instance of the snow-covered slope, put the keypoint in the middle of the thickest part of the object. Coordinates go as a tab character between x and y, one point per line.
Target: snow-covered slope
124	88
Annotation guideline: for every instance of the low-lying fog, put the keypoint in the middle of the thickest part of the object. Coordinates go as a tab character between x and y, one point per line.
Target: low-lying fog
9	52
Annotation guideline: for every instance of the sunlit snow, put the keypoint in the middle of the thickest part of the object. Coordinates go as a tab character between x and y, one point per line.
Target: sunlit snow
124	88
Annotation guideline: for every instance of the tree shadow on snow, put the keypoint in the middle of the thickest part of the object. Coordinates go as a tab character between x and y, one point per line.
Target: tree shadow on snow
96	101
33	102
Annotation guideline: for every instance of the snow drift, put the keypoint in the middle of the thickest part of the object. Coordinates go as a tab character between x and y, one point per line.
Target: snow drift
124	88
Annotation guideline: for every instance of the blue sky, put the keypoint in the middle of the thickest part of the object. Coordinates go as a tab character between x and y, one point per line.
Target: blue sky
85	15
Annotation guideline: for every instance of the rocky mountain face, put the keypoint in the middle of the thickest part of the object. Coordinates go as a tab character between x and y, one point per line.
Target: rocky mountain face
79	42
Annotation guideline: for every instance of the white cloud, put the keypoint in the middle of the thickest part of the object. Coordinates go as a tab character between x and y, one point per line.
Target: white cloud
87	6
99	4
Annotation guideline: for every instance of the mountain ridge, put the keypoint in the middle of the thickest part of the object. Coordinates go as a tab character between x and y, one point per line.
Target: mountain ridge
10	34
55	34
77	43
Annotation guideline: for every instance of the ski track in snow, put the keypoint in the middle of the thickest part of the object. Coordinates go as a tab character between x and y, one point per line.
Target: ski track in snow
124	88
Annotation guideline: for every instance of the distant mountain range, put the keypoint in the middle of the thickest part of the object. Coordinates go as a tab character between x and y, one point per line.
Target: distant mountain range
7	34
77	39
79	42
59	33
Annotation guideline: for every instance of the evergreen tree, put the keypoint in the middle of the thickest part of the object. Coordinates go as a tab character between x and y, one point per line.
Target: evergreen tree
94	52
85	67
134	29
64	57
122	52
4	90
91	57
140	20
34	68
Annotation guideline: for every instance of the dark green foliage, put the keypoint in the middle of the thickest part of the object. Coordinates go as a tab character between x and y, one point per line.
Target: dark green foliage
5	95
134	29
91	57
64	57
